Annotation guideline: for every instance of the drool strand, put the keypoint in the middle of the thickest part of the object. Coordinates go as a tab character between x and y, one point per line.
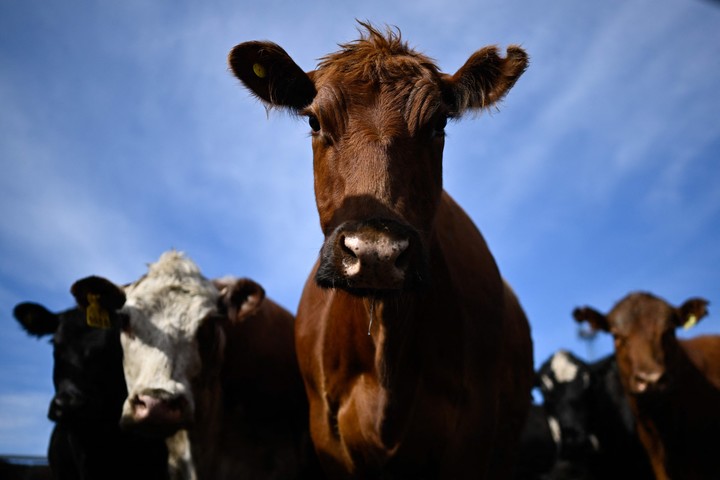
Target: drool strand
372	314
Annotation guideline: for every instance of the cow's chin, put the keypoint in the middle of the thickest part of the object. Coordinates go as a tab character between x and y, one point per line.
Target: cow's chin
364	289
649	391
152	428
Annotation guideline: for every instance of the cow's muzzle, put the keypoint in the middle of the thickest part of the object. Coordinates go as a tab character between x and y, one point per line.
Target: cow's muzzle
156	413
372	256
643	382
66	405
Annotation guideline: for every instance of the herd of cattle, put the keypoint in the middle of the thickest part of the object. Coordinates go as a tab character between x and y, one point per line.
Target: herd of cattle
409	356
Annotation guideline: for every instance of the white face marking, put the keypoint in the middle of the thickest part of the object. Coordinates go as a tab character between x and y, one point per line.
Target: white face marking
563	369
549	385
555	430
165	309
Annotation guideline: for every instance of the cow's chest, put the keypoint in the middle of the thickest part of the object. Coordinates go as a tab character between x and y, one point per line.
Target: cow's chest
397	398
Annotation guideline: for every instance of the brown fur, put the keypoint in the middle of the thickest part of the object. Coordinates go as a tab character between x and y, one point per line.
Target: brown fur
672	385
430	377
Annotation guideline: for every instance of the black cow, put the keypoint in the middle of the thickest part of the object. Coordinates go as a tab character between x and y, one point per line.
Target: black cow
539	445
86	441
597	427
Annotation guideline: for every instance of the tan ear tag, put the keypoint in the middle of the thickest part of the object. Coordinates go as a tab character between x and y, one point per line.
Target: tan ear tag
96	315
691	321
259	70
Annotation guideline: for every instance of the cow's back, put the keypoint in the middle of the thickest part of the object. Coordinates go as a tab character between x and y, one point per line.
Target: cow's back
704	353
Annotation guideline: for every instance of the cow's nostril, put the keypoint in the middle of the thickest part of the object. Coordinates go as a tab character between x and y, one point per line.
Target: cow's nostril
176	403
403	259
349	246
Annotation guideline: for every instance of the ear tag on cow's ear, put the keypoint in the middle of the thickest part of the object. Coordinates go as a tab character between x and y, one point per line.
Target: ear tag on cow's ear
691	321
259	70
96	315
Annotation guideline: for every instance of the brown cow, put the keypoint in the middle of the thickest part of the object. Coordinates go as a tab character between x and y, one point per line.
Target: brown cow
673	385
211	366
416	354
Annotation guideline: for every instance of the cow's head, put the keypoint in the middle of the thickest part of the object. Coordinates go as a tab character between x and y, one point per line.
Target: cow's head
643	327
87	368
173	338
377	111
564	381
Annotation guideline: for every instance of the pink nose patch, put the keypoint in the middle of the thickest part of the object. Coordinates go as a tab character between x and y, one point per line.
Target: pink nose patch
148	408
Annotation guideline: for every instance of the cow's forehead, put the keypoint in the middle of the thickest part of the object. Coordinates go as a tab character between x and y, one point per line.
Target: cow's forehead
563	367
173	295
640	313
180	305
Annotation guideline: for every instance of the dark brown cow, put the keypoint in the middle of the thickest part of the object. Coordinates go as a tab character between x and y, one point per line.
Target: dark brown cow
416	354
673	385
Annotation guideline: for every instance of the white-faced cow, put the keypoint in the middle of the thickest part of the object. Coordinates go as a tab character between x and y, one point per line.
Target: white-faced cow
673	385
87	442
211	366
415	353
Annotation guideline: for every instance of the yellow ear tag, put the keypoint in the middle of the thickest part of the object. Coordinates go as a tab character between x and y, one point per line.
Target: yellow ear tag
96	316
691	321
259	70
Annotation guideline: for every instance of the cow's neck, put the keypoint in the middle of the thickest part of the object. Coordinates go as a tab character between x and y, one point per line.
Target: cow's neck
180	460
202	437
688	385
413	357
426	348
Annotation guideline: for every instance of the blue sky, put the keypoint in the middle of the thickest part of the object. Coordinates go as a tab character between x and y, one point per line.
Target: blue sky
123	134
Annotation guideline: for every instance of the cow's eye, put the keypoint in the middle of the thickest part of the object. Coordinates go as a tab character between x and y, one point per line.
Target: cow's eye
125	323
314	123
439	126
208	336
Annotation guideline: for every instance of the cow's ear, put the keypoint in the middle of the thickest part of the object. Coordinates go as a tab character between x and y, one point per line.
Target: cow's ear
35	319
595	319
98	297
690	312
271	75
240	296
109	295
485	79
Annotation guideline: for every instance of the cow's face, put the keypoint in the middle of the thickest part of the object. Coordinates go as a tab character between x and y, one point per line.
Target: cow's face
565	381
377	111
643	327
173	340
87	368
163	325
